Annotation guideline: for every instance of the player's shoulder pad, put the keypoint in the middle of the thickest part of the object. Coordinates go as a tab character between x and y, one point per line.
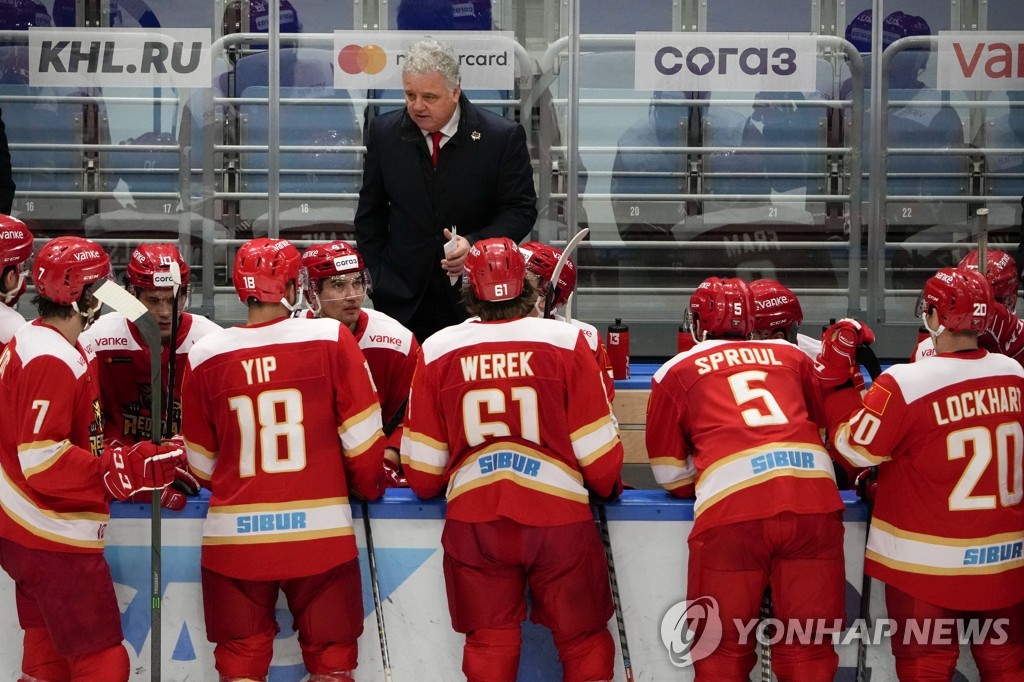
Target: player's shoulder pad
590	333
524	329
38	342
109	333
384	331
938	372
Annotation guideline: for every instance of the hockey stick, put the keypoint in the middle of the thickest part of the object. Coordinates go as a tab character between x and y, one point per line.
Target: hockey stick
378	608
981	237
549	294
116	297
371	557
866	357
172	349
620	622
767	612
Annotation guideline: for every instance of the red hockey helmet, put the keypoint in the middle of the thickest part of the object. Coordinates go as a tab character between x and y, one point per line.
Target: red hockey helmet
66	266
150	266
962	298
332	259
495	268
329	260
541	260
1001	274
15	251
15	241
263	269
775	307
724	307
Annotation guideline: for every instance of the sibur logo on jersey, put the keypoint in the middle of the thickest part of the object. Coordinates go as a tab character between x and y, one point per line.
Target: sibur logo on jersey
782	459
994	554
268	523
496	461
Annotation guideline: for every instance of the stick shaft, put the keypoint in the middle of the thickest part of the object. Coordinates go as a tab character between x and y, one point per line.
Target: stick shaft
620	621
371	558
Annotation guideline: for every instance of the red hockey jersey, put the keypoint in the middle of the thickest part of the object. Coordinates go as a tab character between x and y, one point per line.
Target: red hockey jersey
390	350
739	420
52	495
512	418
596	344
948	434
122	359
10	322
280	419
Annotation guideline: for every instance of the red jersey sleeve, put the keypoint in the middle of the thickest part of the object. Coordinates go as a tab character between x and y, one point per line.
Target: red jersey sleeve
871	428
50	403
360	427
197	427
425	453
668	448
593	432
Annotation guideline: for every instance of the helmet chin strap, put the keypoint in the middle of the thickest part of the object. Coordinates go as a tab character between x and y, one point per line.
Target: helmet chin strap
299	300
11	297
934	333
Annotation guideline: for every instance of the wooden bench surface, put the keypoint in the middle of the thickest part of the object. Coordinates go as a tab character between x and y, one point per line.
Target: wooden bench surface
630	407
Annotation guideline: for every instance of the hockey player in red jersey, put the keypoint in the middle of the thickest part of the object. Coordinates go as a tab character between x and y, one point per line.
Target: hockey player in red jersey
947	436
281	421
15	250
1001	273
58	480
337	287
778	315
123	356
541	260
508	415
737	423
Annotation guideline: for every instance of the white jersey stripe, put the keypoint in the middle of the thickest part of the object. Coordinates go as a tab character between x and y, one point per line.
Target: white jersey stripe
968	556
742	472
36	457
76	529
423	455
300	521
525	466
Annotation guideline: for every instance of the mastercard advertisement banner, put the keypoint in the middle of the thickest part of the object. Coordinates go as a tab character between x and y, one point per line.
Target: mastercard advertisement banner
373	59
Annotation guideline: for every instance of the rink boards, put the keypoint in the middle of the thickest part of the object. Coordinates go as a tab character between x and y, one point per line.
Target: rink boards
648	533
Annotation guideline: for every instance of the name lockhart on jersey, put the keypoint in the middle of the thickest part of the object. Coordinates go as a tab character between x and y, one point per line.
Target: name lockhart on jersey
954	408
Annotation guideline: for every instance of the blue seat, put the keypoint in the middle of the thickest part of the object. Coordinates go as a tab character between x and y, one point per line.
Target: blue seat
44	120
333	126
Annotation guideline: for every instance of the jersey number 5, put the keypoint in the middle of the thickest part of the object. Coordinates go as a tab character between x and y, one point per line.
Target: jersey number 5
743	392
272	431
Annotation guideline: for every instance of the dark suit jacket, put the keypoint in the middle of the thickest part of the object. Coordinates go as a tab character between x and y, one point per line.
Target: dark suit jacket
6	179
483	185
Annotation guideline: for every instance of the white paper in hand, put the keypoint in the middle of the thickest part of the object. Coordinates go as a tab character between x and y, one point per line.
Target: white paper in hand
449	246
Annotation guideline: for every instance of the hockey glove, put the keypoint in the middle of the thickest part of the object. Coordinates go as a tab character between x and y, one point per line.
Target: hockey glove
867	484
836	363
1006	329
143	466
393	476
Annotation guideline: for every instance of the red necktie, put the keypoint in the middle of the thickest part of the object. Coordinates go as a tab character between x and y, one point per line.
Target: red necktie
436	139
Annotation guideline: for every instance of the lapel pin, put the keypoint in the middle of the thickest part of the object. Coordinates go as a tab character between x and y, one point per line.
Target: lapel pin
475	135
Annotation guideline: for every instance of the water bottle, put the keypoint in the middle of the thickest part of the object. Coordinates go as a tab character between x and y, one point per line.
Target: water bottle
618	349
